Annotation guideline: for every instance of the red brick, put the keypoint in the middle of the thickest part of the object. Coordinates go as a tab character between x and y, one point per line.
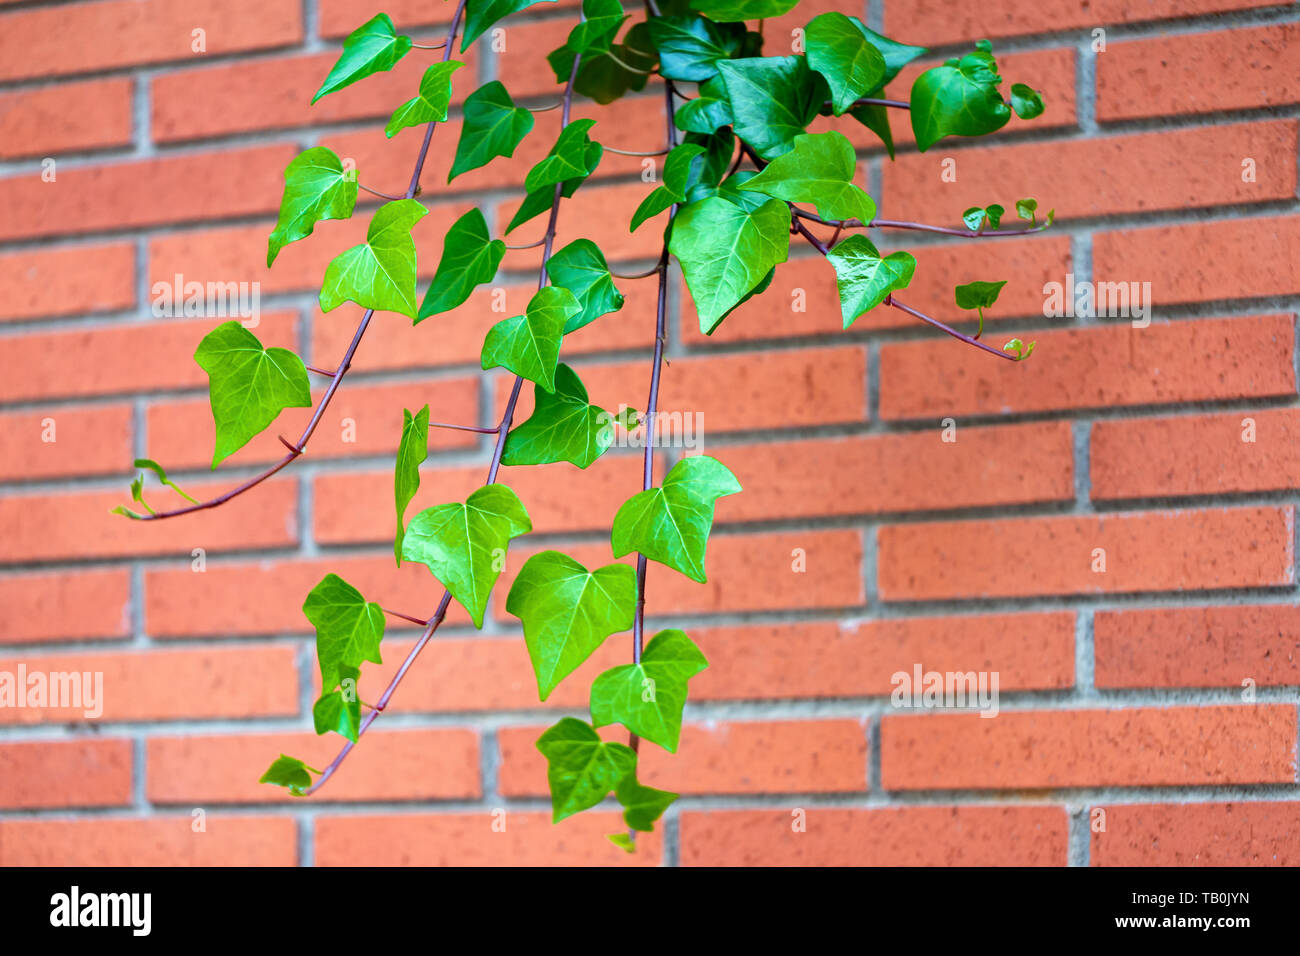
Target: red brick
935	22
65	606
895	836
276	94
434	764
183	432
121	358
1195	454
917	471
356	507
1100	367
176	189
1198	646
71	37
747	572
1165	256
78	279
517	65
87	441
65	773
597	212
468	839
1206	549
157	841
51	527
1035	262
1199	834
66	118
1170	71
1139	172
338	18
777	389
247	681
1146	746
803	756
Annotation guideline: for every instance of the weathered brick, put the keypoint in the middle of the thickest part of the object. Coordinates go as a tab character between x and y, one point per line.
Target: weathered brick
1100	367
1247	833
1145	746
1198	646
67	606
69	117
895	836
1208	549
81	441
162	841
68	281
65	773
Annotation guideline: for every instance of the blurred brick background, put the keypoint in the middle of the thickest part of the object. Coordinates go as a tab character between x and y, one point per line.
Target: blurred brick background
1121	691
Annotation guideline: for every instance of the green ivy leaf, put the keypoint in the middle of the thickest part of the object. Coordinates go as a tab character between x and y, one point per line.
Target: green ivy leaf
470	257
979	296
315	187
464	545
1027	209
642	806
432	102
876	118
704	114
670	524
708	169
288	772
606	75
672	190
1021	350
819	169
529	344
564	426
735	11
248	386
491	126
976	216
580	267
648	698
481	14
574	156
582	769
340	710
411	452
592	35
1026	101
959	98
622	841
864	278
570	157
379	273
348	628
846	59
373	47
690	47
568	611
725	251
897	55
773	99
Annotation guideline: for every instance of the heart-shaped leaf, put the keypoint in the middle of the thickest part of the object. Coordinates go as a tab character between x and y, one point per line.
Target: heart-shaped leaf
373	47
580	267
959	98
839	50
470	257
248	386
564	426
648	698
581	768
865	278
568	611
464	545
670	524
529	344
348	628
316	187
491	126
820	169
379	274
431	103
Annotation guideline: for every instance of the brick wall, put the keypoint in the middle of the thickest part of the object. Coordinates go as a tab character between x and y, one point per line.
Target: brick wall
1120	691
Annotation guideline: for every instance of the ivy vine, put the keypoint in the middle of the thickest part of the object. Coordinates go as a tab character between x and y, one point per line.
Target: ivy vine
740	173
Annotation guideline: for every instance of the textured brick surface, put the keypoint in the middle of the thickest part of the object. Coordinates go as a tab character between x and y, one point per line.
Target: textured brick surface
909	504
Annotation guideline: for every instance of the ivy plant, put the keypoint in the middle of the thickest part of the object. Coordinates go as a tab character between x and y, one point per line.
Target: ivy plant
744	176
